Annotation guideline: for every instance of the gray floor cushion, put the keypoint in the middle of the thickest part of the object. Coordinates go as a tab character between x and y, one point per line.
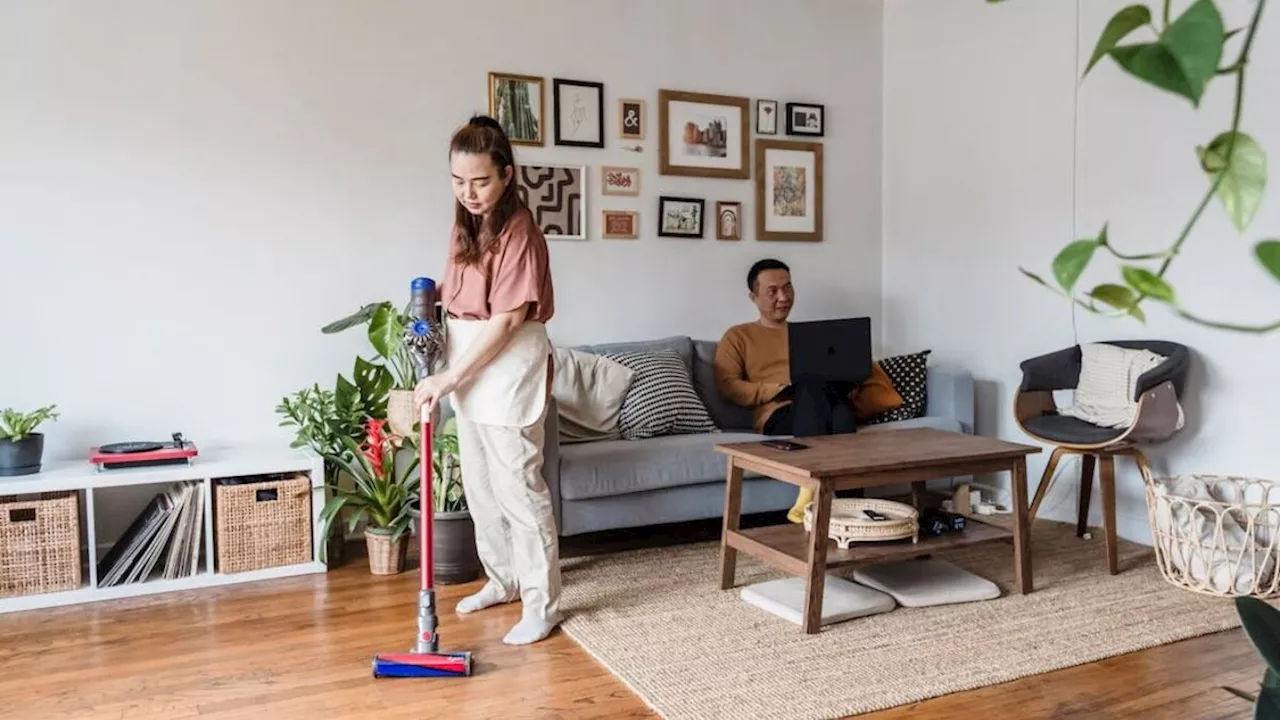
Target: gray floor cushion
841	599
922	583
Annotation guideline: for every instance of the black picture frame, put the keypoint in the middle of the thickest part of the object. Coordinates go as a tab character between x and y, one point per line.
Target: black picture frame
761	104
793	108
561	116
662	223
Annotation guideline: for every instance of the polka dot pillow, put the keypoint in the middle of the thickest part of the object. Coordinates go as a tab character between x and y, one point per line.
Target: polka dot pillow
909	375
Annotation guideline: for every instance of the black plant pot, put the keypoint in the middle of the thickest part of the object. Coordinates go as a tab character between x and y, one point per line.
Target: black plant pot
453	547
22	457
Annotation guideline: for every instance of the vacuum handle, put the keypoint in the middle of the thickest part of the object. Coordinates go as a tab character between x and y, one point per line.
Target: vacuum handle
426	506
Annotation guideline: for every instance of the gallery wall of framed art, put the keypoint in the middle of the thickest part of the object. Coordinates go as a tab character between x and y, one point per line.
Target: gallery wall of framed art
718	139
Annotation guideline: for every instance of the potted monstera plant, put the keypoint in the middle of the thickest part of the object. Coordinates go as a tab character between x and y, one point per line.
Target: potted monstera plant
385	329
21	447
453	532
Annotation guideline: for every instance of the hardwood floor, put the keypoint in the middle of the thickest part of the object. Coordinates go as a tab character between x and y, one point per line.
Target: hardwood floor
301	647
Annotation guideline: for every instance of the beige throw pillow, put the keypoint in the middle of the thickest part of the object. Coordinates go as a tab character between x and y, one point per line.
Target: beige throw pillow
589	390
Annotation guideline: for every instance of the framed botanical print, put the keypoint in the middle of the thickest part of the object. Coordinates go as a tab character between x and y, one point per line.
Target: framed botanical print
557	197
619	180
703	135
579	111
806	119
728	220
767	117
631	120
515	101
620	224
788	190
680	216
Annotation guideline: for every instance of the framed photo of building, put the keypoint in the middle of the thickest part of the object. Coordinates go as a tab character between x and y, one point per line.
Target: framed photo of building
515	101
806	119
680	217
619	224
631	119
788	190
579	111
728	220
557	197
619	180
703	135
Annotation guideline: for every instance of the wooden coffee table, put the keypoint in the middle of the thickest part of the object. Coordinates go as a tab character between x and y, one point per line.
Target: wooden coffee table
862	460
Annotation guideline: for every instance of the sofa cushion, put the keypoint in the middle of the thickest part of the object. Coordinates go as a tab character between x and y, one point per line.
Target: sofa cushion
936	422
661	399
682	345
726	415
589	390
910	376
617	467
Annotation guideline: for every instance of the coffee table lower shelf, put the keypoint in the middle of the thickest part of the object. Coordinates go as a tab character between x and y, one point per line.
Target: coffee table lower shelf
786	547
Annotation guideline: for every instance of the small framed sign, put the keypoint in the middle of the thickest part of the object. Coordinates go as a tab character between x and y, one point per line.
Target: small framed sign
631	119
620	224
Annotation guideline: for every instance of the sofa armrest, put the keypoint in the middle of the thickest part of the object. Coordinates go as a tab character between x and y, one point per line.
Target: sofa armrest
949	393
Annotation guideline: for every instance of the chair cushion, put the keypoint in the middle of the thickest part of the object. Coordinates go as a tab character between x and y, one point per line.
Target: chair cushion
1063	429
617	467
660	399
726	414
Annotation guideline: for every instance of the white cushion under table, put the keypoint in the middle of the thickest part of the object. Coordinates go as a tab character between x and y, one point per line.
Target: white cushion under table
926	582
841	600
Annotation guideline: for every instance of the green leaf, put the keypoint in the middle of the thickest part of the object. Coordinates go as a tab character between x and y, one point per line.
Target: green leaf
1243	179
1032	275
1120	25
1186	56
1268	253
358	317
1261	623
1071	262
385	331
1117	296
1147	283
1268	705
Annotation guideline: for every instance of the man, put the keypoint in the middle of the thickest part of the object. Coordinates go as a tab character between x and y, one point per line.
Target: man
752	369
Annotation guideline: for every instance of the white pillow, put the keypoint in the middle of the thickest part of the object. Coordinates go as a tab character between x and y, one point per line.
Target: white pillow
589	390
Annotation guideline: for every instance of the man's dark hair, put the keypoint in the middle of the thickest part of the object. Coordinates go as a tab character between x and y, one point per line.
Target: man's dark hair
761	266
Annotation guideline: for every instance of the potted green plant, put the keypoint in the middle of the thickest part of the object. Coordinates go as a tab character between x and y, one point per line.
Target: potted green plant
21	447
453	531
382	495
386	327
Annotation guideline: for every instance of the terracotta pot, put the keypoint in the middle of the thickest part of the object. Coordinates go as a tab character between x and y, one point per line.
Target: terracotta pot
385	557
401	413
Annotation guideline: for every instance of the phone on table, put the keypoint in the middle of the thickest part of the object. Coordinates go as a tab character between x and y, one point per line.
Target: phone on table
784	444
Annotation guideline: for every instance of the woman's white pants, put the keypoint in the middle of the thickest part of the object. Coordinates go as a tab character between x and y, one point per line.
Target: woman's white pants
510	504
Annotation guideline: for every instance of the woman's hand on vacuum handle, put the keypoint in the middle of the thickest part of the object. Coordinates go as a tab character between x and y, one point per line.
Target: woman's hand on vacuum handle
430	389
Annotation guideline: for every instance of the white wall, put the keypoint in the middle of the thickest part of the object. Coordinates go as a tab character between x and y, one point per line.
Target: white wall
993	161
190	190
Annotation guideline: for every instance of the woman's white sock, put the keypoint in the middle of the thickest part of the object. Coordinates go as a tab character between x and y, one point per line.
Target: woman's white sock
489	595
530	630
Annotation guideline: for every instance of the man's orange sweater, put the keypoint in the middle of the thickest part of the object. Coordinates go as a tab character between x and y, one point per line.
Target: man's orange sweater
752	366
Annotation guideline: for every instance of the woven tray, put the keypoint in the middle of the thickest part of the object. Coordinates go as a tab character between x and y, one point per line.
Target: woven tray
850	525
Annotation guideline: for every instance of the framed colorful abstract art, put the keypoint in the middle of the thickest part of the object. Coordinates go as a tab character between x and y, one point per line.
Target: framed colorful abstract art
788	190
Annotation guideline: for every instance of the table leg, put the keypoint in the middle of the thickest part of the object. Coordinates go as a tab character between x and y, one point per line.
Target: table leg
1021	527
816	583
732	516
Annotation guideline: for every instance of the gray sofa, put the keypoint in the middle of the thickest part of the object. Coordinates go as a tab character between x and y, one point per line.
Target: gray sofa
612	484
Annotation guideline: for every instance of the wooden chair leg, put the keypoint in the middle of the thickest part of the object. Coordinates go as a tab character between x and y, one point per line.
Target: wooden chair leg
1085	494
1140	460
1046	479
1107	482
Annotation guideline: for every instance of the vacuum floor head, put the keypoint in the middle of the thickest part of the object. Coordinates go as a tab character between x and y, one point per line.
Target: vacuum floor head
449	664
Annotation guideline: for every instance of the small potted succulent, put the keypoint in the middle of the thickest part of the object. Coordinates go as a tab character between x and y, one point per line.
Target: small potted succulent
382	495
21	447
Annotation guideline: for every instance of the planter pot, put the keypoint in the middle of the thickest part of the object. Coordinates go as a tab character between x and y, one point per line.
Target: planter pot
453	546
385	557
22	457
401	414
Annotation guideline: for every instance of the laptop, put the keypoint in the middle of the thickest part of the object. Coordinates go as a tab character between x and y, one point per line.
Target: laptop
836	351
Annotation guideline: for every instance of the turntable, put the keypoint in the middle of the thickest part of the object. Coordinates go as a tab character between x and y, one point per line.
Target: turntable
136	454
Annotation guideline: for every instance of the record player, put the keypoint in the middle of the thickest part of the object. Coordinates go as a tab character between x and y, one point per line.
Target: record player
143	453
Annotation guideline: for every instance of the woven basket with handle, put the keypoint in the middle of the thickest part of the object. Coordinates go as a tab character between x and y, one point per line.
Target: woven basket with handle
849	524
263	524
39	544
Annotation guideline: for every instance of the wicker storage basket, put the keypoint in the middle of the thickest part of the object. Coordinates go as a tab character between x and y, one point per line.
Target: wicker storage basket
849	524
262	524
1216	535
39	544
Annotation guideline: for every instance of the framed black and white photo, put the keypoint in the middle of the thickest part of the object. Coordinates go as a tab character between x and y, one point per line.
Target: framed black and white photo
680	216
579	112
767	117
806	119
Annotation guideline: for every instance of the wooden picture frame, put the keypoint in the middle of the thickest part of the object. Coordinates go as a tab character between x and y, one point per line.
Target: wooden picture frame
728	220
517	102
581	124
632	119
618	180
711	137
789	203
619	224
678	224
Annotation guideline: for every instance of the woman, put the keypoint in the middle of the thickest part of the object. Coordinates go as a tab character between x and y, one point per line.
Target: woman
497	296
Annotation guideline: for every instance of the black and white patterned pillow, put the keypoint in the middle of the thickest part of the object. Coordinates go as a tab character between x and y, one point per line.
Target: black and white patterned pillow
661	399
909	375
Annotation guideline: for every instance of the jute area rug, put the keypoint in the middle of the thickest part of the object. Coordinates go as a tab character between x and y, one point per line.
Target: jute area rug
659	621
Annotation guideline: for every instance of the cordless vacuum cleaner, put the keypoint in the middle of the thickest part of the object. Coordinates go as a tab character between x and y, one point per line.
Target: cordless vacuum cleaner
423	341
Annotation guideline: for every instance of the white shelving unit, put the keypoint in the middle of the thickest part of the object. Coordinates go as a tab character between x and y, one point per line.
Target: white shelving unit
208	466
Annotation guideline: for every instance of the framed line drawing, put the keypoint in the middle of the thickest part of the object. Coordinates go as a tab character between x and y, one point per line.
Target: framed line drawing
557	197
703	135
579	113
766	117
788	190
515	101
